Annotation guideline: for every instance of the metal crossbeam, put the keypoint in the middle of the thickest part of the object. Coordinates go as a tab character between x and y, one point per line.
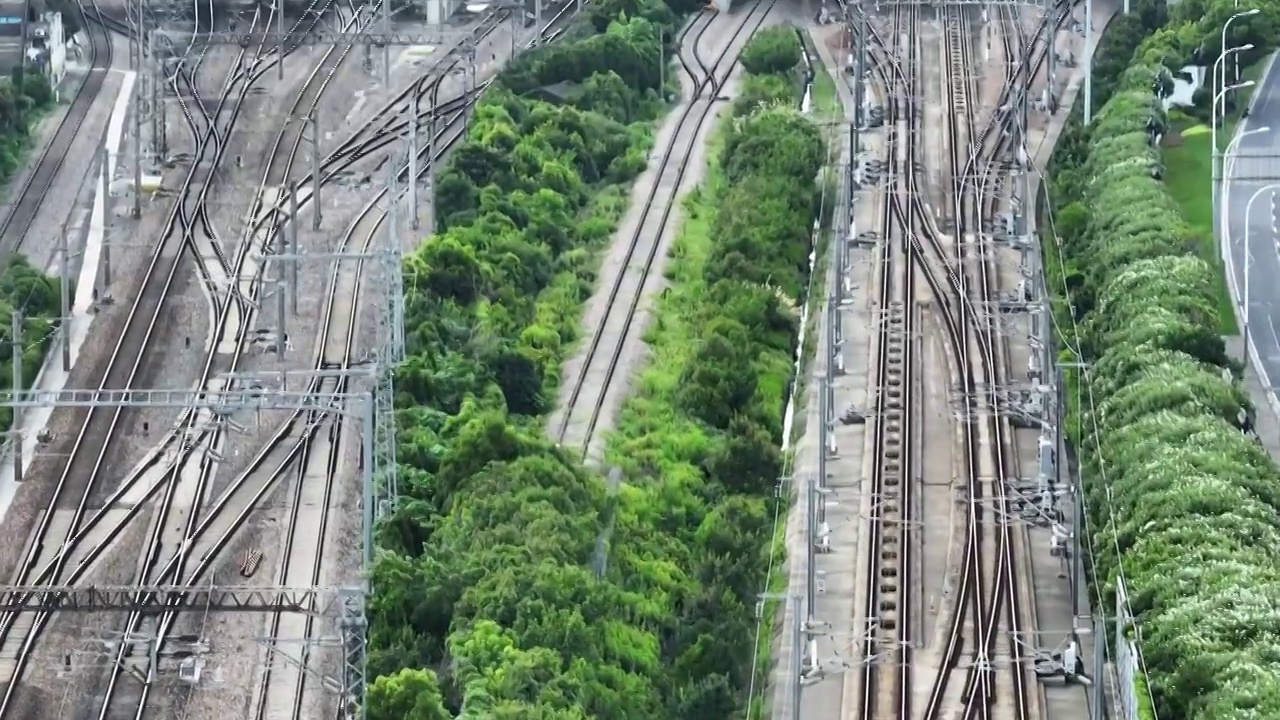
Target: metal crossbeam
308	601
942	3
214	399
440	36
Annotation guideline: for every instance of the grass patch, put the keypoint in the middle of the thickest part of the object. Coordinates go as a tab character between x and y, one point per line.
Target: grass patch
826	97
1187	156
1187	173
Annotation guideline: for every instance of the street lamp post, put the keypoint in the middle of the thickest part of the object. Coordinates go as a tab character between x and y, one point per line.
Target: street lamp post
1217	169
1223	47
1216	93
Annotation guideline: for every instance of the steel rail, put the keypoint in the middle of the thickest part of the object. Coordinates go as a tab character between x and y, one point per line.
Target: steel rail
970	345
888	590
204	472
300	452
622	306
169	258
980	691
446	136
209	521
242	303
1022	50
332	348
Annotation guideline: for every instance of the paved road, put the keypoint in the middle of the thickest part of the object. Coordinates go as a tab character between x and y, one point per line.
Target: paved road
1252	175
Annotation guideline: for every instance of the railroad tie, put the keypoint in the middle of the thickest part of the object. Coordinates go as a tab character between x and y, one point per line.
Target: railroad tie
249	561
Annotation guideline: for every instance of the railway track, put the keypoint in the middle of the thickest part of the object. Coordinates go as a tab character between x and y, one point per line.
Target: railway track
200	540
270	216
886	683
57	527
982	671
593	385
22	213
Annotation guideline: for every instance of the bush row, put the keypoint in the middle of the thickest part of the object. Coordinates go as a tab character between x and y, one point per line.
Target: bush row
491	597
1180	496
22	98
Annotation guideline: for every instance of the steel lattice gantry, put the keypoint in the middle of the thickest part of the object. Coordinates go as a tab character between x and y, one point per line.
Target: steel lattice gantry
255	391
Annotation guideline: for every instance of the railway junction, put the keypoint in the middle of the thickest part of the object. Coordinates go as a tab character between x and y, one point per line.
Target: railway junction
219	447
931	571
237	365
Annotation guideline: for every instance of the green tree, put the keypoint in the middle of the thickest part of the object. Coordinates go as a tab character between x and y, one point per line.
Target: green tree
406	695
772	50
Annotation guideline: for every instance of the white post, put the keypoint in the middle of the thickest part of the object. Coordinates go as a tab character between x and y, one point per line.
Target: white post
1218	170
1214	158
1088	62
1223	45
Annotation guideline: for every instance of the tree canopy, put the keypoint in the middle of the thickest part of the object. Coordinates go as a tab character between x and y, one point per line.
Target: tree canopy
509	581
20	105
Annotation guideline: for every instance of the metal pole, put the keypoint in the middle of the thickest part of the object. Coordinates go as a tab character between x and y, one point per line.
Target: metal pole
386	49
1024	177
64	294
471	66
293	245
367	481
393	202
1235	60
1088	62
797	657
857	89
537	22
1099	667
1050	102
662	65
129	20
315	167
1077	511
153	85
137	156
161	110
431	157
280	40
16	330
811	513
281	290
106	232
413	166
15	435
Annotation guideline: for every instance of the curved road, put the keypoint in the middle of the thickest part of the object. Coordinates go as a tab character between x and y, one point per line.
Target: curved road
1255	168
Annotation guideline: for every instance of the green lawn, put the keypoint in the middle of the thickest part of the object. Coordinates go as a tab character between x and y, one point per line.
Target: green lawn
826	99
1187	174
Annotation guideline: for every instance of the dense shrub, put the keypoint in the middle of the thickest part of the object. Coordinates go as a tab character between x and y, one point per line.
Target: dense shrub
491	600
1181	500
772	51
20	104
25	289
